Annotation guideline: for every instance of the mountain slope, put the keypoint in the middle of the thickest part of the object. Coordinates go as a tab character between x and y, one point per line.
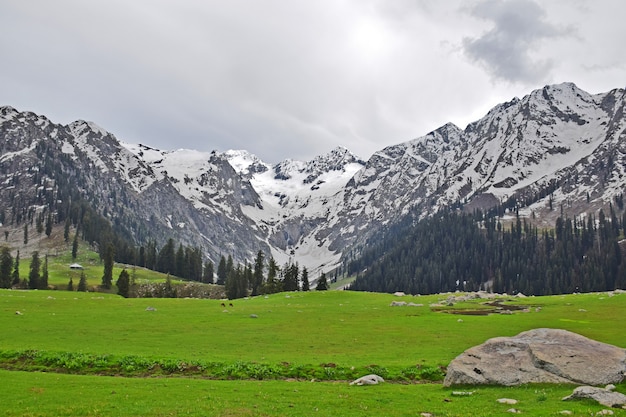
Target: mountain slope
556	148
140	196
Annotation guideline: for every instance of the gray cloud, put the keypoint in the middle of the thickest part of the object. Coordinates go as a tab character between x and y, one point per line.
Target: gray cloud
506	50
293	79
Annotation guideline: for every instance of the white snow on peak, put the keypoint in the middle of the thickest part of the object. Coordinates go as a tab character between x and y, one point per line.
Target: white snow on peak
7	113
242	160
80	127
81	131
299	192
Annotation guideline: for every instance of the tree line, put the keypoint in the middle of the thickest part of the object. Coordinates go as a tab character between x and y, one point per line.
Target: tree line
186	263
250	279
10	274
455	251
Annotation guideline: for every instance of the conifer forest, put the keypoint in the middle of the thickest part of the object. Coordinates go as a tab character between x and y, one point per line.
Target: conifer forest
468	252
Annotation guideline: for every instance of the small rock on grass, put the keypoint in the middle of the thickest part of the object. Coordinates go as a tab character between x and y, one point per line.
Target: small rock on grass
604	396
462	393
508	401
371	379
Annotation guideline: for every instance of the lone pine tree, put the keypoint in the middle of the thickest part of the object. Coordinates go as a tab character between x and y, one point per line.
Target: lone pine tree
123	284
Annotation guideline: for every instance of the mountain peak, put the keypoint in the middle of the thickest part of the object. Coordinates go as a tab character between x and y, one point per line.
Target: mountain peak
81	127
7	110
447	133
244	162
334	160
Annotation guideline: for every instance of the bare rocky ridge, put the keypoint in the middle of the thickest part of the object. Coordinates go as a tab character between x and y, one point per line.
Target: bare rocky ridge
539	356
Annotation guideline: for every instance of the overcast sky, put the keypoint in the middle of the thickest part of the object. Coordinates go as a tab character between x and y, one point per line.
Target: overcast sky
296	78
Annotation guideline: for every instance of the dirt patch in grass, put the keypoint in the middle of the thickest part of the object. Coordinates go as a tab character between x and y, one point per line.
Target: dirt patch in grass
492	307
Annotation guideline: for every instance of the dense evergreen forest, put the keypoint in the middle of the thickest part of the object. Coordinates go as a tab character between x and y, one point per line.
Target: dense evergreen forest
455	251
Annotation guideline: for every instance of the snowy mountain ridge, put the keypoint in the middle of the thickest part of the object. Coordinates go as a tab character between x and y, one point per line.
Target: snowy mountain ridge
559	146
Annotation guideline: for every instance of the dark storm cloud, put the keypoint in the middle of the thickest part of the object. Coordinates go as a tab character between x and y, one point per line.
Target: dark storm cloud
507	49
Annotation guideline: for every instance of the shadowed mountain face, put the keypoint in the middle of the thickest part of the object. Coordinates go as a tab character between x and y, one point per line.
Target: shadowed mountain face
559	148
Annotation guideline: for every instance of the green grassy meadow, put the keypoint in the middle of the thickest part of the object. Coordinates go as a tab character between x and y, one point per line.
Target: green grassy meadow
329	330
44	394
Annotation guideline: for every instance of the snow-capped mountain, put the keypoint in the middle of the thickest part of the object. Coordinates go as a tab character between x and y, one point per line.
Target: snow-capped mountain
558	140
558	147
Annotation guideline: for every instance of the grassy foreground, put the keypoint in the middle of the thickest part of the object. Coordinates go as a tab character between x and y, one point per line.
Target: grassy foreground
41	394
321	330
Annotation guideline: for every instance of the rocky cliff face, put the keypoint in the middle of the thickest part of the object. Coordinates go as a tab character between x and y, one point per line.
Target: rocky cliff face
559	148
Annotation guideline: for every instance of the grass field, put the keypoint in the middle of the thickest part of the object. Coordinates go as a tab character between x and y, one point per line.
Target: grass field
336	329
42	394
59	272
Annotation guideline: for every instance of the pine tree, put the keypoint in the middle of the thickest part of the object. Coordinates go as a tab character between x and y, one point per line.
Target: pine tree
194	264
6	267
305	279
230	285
207	273
167	258
43	282
257	279
322	283
25	233
229	264
123	283
66	230
109	260
290	279
75	246
82	283
180	262
236	285
247	278
39	224
33	276
16	270
272	285
70	285
151	255
142	256
222	273
49	224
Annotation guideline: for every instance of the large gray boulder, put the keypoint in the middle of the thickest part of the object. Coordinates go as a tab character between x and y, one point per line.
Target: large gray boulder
540	355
